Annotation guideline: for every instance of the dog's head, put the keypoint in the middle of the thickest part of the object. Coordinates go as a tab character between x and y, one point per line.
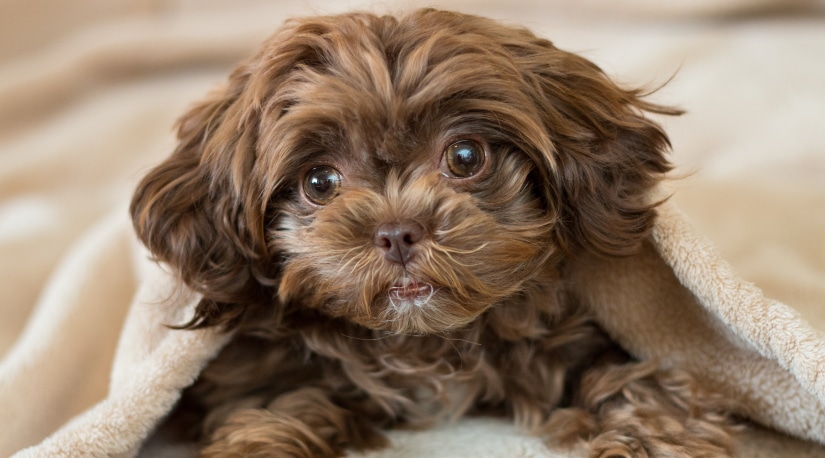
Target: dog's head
402	173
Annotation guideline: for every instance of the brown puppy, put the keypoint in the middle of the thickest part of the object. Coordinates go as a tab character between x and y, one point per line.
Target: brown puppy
382	209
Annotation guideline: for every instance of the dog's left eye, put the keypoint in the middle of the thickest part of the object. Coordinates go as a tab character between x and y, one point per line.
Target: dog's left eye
321	184
463	159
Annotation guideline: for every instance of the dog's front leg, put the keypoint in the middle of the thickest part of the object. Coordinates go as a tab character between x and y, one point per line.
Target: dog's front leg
304	423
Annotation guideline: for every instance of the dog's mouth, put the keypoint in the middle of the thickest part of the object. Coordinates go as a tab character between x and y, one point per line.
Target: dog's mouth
408	291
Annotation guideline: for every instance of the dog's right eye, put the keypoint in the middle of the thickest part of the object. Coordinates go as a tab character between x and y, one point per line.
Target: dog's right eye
463	159
321	184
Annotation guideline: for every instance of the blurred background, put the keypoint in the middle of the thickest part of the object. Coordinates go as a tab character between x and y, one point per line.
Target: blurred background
90	89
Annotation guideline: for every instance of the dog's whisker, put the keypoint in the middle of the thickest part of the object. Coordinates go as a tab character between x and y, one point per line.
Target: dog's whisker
458	339
450	251
369	339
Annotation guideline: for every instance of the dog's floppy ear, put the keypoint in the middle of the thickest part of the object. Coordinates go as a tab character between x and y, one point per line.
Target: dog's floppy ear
194	211
607	155
205	209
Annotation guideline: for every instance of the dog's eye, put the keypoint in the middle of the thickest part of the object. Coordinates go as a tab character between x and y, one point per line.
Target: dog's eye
321	184
464	158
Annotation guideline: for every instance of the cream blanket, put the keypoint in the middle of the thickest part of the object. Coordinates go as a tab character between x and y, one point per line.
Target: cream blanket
89	91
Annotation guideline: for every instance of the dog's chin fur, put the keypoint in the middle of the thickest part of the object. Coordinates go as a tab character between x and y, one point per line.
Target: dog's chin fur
337	336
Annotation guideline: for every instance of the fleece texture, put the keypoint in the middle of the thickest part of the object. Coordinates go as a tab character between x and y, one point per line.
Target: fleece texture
90	89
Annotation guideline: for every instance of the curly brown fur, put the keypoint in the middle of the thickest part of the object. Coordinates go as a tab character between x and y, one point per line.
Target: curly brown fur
418	292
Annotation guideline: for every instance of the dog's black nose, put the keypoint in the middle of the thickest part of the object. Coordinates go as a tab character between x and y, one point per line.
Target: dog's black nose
397	240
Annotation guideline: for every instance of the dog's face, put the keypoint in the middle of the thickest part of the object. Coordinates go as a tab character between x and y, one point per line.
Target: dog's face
418	232
410	204
404	174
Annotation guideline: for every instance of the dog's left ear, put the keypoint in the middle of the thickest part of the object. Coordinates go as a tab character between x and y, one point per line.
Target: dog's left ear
195	212
607	155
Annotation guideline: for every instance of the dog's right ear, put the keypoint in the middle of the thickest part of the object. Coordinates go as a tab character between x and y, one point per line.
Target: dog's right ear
203	211
197	211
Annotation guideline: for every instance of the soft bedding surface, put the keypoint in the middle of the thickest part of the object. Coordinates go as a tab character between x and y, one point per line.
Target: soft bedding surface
89	91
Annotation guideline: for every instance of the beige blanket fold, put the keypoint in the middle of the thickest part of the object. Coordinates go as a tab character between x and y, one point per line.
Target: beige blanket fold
676	301
90	90
150	368
680	303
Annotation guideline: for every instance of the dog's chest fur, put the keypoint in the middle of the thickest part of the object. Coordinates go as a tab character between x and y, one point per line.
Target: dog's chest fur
514	359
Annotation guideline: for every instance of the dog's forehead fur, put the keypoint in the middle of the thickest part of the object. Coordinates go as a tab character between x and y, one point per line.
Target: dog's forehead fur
377	91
